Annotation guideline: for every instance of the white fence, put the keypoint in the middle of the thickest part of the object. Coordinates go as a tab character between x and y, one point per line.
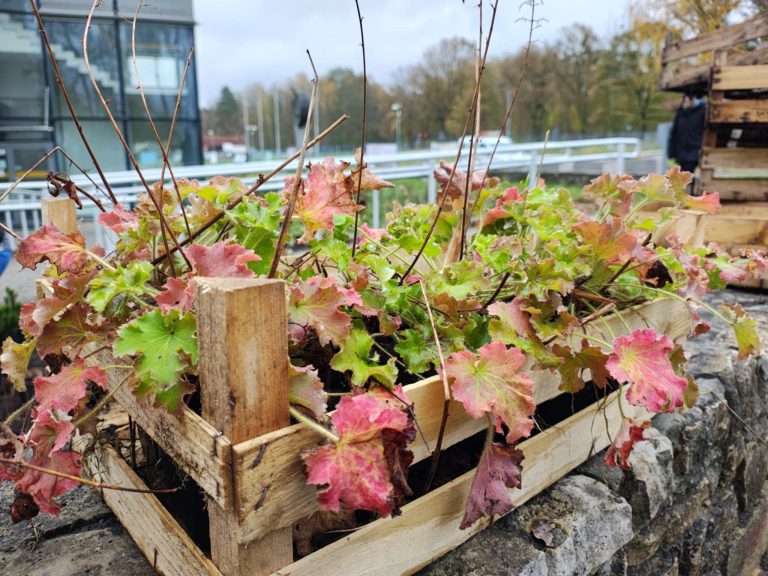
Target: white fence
21	210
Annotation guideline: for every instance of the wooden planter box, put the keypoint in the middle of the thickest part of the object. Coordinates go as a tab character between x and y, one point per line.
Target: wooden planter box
255	482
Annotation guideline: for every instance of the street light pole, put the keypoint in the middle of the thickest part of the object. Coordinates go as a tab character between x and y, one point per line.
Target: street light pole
397	108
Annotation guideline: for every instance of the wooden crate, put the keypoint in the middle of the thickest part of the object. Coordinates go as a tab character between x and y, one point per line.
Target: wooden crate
243	452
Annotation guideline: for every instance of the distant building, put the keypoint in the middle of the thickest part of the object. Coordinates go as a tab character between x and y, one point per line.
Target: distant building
33	114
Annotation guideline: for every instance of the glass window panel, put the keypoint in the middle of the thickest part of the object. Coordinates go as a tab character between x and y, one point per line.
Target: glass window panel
103	140
66	40
15	5
22	88
185	146
161	54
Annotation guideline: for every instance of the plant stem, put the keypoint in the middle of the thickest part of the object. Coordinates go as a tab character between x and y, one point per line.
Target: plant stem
305	420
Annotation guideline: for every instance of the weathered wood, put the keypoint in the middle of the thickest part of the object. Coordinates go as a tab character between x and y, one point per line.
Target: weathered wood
429	526
242	326
683	75
736	189
724	38
740	77
750	210
748	158
738	112
197	447
167	547
61	212
269	474
727	231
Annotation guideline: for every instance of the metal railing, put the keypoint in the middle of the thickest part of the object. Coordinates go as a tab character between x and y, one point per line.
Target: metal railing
21	210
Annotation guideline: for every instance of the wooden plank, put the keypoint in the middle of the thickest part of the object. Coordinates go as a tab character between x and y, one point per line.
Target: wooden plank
429	526
738	112
270	473
157	534
735	189
723	38
735	231
242	326
61	212
748	158
684	75
751	210
740	77
197	447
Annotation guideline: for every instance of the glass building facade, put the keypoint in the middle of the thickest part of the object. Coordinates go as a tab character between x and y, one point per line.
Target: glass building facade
34	115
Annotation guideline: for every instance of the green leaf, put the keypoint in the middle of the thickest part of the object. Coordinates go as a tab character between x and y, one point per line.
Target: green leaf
417	350
130	280
355	357
745	329
166	346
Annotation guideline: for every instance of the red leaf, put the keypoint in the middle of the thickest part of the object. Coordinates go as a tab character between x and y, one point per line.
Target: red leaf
306	389
119	219
609	242
499	469
630	434
177	293
512	315
47	439
65	390
66	251
367	234
355	471
709	202
642	359
510	196
36	315
71	330
576	362
490	382
222	260
326	192
316	302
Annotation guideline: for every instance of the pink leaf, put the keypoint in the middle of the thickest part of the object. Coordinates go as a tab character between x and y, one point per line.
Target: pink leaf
66	251
355	471
119	219
326	192
306	389
65	390
642	359
71	330
512	316
490	381
221	260
368	234
630	434
177	293
510	196
709	202
316	302
499	469
459	181
609	242
36	315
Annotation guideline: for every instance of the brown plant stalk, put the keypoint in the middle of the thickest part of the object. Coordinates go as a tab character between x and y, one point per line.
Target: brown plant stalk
362	129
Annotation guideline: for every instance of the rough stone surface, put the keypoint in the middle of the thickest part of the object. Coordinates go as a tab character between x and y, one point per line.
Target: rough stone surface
695	502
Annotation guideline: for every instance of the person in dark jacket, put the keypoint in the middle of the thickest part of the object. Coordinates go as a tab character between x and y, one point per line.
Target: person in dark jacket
685	138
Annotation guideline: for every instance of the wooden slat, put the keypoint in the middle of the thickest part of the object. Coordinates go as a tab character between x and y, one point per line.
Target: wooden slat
735	231
241	329
159	537
197	447
270	473
723	38
429	526
60	212
684	75
740	77
735	189
738	112
734	158
751	210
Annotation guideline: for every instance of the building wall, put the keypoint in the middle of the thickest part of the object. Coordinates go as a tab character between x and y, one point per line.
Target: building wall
33	112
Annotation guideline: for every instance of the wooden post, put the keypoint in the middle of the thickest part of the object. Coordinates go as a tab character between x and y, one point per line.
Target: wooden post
61	212
242	329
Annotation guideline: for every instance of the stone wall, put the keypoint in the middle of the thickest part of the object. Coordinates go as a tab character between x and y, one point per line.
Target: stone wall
694	503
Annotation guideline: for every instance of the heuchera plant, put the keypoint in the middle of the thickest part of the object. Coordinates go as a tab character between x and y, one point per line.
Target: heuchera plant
533	272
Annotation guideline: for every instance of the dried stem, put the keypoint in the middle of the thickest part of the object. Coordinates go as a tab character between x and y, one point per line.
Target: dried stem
164	227
259	182
470	114
362	129
65	94
297	180
19	412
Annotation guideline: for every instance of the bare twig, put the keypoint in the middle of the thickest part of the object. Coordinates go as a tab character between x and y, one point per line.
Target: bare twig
362	130
19	412
470	114
164	227
496	293
259	182
65	94
297	180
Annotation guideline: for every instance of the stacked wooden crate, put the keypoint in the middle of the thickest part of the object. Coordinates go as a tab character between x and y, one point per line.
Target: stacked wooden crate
730	65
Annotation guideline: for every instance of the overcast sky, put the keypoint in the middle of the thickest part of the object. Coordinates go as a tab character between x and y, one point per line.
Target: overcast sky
240	42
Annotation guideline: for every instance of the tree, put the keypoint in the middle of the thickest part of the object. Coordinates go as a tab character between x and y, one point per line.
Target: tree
227	114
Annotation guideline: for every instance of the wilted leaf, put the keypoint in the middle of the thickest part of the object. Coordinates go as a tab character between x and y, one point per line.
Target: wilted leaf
15	361
66	251
745	329
575	363
119	219
608	242
221	260
65	390
490	381
642	359
71	330
499	470
316	302
306	389
709	202
630	434
177	293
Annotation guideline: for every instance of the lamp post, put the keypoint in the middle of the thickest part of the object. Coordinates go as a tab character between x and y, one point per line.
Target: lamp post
397	108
